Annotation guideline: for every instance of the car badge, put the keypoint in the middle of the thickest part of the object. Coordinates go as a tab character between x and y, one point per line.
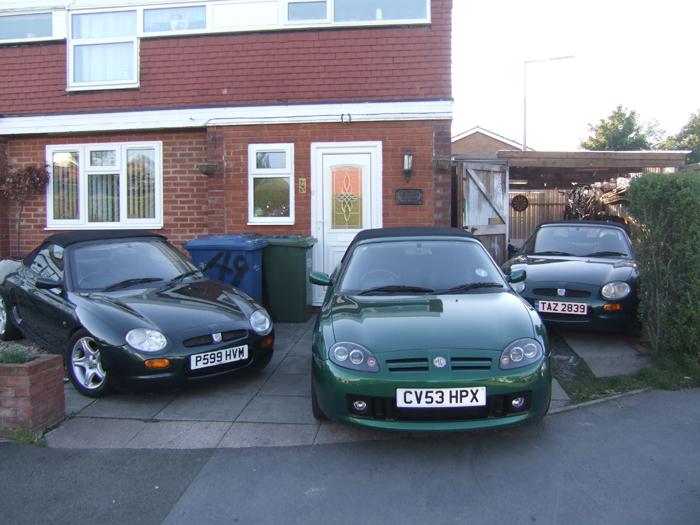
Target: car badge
561	292
216	337
440	362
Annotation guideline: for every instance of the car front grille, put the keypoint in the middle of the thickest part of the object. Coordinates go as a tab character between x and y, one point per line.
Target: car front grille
552	292
385	409
422	364
207	339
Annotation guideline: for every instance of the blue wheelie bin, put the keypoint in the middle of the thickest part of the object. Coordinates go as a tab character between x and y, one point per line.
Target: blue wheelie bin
232	259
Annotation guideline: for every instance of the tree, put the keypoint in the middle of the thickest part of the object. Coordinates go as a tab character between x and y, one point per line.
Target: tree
688	138
621	131
17	185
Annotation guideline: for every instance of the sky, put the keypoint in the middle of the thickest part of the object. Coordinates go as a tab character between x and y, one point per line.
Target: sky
640	54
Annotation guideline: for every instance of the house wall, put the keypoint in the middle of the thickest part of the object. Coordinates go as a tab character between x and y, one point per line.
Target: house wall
381	64
197	205
4	241
479	144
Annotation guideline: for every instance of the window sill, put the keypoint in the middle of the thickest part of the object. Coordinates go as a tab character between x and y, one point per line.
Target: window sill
285	222
102	87
115	226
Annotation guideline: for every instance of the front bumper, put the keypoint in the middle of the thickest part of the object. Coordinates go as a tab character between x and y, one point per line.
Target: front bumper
597	318
337	387
126	366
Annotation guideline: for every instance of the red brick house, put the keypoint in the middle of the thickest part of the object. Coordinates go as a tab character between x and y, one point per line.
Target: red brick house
221	116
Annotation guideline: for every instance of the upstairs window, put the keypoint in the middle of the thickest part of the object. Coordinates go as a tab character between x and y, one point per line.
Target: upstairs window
32	26
376	10
307	11
103	50
271	184
105	186
174	19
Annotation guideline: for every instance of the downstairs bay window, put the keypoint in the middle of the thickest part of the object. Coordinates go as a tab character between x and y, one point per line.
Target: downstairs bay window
116	185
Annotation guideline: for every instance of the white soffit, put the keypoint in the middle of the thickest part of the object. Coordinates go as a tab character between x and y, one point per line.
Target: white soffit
226	116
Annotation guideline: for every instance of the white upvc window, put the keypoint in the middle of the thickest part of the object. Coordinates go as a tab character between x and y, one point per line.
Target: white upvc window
306	11
271	184
350	11
103	50
26	26
102	186
178	19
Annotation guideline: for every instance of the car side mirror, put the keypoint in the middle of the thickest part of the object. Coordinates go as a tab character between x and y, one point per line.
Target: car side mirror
517	276
512	251
47	284
320	278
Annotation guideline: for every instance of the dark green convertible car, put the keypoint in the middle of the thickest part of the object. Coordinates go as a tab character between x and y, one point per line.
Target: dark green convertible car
420	330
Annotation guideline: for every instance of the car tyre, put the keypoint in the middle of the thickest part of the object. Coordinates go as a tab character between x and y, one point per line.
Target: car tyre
315	407
8	331
262	360
84	365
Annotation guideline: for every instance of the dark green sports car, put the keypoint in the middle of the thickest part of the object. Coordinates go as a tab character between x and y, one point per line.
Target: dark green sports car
126	308
420	330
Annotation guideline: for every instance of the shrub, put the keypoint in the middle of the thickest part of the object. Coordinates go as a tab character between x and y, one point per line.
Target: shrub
666	234
12	353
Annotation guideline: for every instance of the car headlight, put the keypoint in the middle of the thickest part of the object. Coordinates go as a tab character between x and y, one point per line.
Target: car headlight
353	356
146	340
518	287
260	322
615	290
522	352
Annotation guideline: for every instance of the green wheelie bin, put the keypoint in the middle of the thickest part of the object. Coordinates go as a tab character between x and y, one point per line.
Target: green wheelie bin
286	269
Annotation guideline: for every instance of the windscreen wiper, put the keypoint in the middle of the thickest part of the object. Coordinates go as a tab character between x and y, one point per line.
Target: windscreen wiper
551	252
183	276
131	282
395	288
465	287
606	253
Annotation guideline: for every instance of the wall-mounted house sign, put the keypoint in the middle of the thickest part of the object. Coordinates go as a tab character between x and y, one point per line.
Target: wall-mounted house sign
409	196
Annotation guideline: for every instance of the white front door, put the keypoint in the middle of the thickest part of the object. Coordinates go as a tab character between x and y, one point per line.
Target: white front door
346	185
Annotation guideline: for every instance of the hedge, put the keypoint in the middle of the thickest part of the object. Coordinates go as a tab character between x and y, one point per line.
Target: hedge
665	208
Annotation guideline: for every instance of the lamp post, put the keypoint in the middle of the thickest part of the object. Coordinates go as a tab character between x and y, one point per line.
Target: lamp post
525	90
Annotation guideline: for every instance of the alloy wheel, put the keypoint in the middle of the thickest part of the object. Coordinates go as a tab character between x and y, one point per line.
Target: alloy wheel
87	364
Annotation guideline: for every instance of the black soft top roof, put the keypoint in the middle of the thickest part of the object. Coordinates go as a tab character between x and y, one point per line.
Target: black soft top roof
583	222
417	231
68	238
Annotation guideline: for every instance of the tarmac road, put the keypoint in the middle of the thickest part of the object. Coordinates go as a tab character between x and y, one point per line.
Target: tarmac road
634	460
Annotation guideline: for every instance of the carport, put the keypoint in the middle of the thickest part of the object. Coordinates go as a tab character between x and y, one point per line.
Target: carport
501	198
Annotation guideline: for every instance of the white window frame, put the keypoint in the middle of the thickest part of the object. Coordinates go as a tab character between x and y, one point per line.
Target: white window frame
73	43
260	173
284	6
84	171
53	36
146	34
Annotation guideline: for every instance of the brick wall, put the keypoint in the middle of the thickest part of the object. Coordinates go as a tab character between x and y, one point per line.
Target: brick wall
479	144
4	241
31	394
185	188
383	63
196	205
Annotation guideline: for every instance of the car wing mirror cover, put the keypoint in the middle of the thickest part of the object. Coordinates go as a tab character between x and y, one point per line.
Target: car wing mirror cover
517	276
320	278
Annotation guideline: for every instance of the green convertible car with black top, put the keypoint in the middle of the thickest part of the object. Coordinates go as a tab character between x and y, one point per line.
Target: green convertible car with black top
420	330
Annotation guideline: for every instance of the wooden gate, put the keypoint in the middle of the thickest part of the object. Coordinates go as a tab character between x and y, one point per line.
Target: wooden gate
484	204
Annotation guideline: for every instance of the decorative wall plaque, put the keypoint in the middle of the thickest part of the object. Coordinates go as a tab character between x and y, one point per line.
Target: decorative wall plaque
409	196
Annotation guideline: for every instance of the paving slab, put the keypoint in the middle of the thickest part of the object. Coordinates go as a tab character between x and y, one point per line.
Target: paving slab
278	409
282	384
133	406
75	401
294	364
91	432
336	433
179	435
607	355
560	398
243	435
205	406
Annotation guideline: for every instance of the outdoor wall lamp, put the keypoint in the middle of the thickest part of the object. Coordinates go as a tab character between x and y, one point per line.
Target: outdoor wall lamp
408	164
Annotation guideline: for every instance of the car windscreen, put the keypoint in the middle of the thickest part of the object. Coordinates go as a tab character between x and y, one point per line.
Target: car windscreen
419	266
581	241
101	265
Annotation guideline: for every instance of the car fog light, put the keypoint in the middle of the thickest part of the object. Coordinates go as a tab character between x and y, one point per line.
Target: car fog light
518	402
359	406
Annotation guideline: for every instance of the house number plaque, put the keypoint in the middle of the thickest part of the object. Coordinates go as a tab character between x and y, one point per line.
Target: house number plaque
409	196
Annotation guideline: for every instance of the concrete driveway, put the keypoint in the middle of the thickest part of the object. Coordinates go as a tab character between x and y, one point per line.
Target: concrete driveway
271	408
